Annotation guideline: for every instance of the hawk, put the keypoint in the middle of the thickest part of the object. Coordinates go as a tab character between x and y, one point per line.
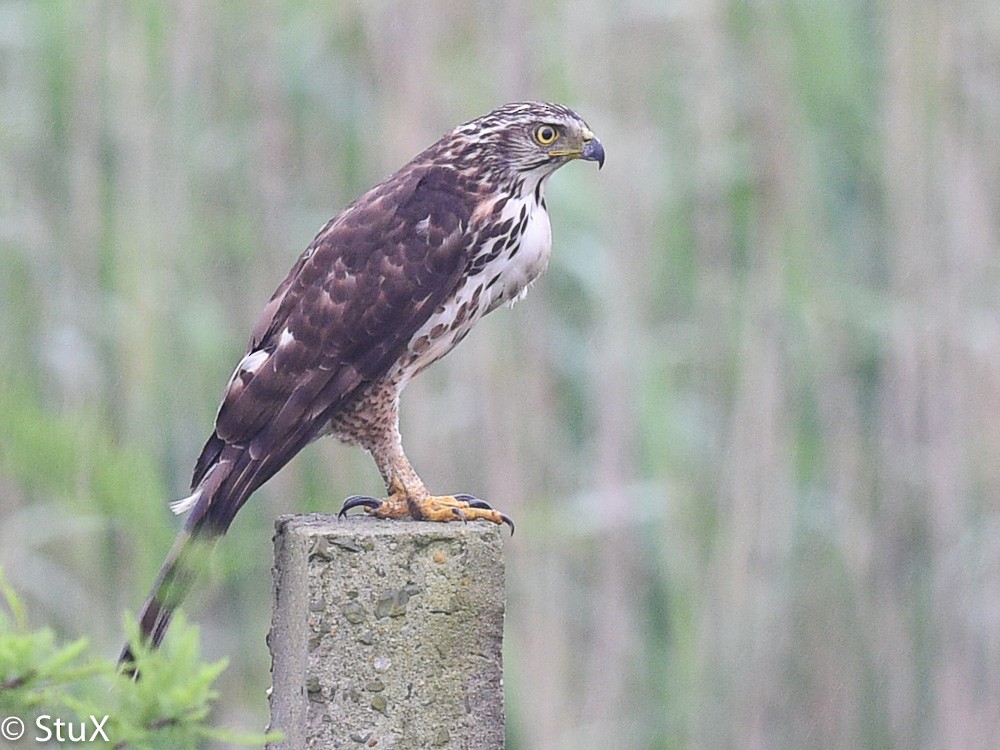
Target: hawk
385	289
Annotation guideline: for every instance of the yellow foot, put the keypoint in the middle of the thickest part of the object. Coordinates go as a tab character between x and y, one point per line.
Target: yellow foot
428	508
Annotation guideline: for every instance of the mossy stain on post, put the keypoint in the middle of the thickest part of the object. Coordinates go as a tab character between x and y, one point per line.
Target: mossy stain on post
387	631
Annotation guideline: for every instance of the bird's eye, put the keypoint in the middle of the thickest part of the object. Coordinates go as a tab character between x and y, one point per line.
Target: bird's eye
546	135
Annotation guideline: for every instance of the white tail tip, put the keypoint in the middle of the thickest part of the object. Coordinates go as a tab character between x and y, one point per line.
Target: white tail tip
185	503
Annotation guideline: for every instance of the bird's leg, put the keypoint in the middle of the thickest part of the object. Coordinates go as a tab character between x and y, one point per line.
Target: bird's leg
409	497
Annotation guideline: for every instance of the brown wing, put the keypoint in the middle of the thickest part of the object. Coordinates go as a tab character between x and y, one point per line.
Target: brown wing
338	322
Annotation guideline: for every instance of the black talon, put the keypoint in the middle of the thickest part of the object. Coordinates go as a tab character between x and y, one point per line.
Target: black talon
460	515
356	501
482	504
473	501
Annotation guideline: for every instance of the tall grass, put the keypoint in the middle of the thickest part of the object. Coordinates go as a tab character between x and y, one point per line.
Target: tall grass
747	423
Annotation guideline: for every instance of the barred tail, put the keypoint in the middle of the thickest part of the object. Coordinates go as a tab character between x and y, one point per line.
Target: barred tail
187	558
224	481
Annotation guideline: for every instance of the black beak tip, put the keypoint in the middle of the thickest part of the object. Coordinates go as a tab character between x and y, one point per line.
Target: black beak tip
594	151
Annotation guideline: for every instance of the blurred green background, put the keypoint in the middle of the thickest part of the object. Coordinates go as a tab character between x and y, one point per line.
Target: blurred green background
748	423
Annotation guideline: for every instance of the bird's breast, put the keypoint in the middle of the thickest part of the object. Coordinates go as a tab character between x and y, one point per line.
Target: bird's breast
499	271
528	257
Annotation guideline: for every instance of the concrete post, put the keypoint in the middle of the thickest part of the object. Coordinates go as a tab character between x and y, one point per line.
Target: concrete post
387	634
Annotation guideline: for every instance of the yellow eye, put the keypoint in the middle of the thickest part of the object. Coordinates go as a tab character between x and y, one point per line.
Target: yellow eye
546	135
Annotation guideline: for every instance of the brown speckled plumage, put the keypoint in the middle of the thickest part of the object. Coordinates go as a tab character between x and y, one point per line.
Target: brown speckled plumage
385	289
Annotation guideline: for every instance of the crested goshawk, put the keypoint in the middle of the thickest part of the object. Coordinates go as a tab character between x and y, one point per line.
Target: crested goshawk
387	288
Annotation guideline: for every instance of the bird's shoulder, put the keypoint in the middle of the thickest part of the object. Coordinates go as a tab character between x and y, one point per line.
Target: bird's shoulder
389	247
346	311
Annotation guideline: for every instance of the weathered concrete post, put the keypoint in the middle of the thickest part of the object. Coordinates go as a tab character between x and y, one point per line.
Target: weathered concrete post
387	634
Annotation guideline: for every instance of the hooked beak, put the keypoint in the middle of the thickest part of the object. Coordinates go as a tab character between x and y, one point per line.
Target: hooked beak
592	149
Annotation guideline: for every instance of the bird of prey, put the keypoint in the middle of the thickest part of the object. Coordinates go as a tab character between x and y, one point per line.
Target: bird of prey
384	290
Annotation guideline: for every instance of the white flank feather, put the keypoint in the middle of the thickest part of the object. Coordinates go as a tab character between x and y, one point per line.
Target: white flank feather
185	503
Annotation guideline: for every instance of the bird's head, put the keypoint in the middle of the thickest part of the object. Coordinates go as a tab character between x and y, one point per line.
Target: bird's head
532	137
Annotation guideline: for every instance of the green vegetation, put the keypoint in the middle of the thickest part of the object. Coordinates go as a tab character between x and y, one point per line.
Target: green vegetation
62	692
746	424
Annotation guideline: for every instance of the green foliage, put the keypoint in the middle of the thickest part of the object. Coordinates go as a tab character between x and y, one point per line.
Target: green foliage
168	707
746	422
32	664
94	484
